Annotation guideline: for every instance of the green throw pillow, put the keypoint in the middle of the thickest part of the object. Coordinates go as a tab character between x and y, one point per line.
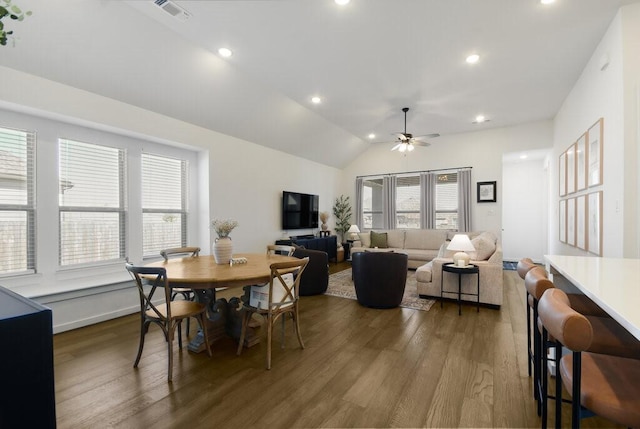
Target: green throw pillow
379	240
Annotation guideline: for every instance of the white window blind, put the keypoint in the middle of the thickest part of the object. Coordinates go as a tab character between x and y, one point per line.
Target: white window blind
372	203
164	203
91	203
17	201
447	201
408	202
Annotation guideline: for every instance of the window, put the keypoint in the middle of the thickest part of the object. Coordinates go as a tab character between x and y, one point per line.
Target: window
408	202
17	201
91	203
372	203
164	203
447	201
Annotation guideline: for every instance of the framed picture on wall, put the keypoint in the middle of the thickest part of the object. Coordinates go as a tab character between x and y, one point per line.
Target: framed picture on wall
562	174
571	221
562	221
581	162
594	157
594	223
581	225
486	192
571	169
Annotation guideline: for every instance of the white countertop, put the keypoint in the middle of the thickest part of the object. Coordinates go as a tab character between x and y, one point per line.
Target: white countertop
612	283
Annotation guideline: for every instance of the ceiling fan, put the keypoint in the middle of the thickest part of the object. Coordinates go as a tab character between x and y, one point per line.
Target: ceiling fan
406	141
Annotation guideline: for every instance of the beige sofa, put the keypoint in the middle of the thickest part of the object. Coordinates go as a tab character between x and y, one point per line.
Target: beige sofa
488	257
420	245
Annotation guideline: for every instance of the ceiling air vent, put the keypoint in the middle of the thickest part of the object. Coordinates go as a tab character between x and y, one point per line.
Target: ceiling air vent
173	9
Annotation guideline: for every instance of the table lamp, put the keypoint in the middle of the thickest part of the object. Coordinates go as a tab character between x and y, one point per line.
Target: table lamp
353	231
461	244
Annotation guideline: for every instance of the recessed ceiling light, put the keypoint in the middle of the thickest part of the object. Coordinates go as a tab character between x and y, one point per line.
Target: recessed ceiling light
341	2
524	156
225	52
316	100
480	119
473	58
372	136
547	1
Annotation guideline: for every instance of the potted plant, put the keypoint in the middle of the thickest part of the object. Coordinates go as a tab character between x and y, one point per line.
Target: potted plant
342	212
13	12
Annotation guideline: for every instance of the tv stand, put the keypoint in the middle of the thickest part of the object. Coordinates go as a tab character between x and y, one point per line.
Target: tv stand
326	244
302	237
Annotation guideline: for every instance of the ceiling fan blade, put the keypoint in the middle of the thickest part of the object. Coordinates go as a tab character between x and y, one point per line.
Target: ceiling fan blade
428	136
420	143
396	147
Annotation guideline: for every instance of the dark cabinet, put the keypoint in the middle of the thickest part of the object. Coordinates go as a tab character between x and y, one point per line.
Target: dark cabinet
325	244
27	396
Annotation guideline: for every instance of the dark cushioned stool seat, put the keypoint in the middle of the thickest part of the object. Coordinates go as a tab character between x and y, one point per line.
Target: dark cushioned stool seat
379	278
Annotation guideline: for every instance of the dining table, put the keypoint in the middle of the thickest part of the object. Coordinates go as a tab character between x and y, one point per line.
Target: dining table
612	283
204	276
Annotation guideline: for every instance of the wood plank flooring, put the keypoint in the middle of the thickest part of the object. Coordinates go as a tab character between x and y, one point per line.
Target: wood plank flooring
360	368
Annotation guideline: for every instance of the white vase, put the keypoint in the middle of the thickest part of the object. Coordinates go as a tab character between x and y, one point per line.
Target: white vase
222	250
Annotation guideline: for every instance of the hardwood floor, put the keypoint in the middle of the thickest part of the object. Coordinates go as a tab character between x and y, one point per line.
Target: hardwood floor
360	368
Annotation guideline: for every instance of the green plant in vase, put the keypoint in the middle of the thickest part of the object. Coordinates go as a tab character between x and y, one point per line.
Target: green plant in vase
342	212
11	11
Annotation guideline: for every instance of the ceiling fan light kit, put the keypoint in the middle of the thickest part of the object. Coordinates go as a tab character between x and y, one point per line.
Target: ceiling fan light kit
407	142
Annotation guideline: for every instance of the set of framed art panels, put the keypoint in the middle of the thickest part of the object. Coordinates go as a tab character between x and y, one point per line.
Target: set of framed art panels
580	176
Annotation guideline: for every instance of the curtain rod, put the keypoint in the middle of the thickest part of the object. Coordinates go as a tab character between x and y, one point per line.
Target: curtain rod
420	171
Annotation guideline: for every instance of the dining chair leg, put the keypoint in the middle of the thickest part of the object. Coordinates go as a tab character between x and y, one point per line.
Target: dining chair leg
297	328
558	355
170	350
544	379
179	327
269	335
246	315
284	320
206	335
575	394
144	327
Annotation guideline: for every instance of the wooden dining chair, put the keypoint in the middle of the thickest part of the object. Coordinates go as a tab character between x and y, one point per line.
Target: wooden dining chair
186	293
275	300
160	310
280	249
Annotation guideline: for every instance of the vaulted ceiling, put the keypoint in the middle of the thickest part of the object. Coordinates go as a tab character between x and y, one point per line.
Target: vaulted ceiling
365	60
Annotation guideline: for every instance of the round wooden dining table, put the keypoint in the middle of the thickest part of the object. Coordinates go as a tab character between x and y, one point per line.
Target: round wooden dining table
204	276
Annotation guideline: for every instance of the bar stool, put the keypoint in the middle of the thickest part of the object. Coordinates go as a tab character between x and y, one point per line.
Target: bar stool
524	266
536	282
603	384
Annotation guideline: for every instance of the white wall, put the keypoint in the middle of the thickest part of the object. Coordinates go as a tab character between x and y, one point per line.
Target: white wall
244	181
611	94
481	150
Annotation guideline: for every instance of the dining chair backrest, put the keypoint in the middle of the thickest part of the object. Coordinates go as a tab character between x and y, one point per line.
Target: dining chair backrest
566	325
280	249
149	280
180	251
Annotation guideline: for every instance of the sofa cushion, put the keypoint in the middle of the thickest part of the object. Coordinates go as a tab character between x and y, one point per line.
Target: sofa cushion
395	238
484	246
423	273
379	239
424	239
365	239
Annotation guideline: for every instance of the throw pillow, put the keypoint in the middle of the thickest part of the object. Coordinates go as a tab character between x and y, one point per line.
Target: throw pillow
484	248
379	239
365	239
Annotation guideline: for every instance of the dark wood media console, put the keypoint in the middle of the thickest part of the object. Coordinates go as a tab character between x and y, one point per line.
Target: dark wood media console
325	244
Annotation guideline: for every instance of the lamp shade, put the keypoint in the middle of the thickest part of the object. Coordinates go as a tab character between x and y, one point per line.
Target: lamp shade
353	232
461	243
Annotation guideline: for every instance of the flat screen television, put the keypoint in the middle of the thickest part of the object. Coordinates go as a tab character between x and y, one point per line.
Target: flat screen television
299	211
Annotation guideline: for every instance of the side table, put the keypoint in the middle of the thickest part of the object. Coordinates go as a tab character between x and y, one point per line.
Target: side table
347	250
460	271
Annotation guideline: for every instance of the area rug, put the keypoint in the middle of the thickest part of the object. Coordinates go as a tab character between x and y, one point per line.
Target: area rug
340	284
509	265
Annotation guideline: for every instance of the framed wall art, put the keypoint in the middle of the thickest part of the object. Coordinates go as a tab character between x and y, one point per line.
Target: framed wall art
562	221
581	225
581	162
562	174
571	169
571	221
594	157
594	223
486	192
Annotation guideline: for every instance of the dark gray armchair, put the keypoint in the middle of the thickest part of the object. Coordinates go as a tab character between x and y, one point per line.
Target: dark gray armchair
315	278
379	278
